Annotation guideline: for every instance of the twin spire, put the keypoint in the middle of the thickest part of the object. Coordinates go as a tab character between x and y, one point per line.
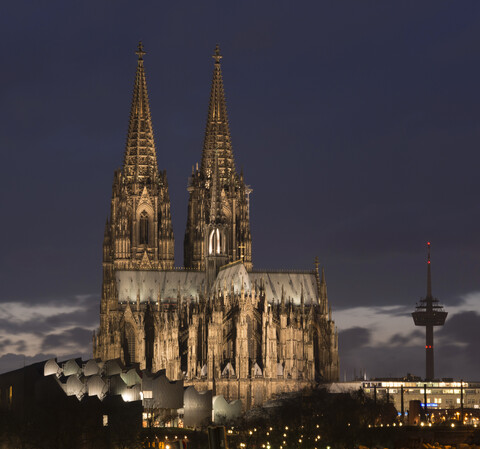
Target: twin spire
140	160
217	144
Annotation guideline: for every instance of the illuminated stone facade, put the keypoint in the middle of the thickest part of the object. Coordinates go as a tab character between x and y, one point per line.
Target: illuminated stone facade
217	323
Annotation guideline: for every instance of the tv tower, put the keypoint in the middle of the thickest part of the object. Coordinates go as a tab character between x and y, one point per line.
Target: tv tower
429	313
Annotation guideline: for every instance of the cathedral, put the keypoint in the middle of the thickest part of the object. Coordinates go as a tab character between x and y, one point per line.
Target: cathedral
216	323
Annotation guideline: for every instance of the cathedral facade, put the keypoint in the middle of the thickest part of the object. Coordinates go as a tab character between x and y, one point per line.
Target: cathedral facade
217	323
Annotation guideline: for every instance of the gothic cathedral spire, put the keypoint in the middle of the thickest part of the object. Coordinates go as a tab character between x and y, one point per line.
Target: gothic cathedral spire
140	225
217	131
140	160
218	223
139	233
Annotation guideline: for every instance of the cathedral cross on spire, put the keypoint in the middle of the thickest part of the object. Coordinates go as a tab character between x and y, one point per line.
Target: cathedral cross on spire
140	51
217	56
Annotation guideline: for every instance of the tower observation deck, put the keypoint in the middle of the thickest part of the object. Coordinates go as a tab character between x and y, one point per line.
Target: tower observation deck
429	313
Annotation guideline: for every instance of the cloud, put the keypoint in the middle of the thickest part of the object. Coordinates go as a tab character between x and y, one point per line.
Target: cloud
378	361
462	328
18	318
384	342
75	339
10	361
64	327
457	351
4	342
21	346
405	340
353	339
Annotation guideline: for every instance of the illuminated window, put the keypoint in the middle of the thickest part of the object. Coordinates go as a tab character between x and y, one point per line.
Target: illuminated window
143	228
147	394
105	420
10	395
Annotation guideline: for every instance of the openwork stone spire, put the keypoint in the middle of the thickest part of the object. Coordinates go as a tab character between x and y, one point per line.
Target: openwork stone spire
217	131
140	161
218	205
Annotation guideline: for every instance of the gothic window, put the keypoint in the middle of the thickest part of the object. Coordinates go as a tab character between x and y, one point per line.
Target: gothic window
143	228
316	355
200	341
149	338
129	344
214	242
250	337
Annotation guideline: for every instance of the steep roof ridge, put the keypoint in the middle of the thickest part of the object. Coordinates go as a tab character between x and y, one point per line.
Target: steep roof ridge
140	160
217	130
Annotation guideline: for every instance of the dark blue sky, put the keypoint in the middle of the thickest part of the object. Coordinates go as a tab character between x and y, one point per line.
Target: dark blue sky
356	124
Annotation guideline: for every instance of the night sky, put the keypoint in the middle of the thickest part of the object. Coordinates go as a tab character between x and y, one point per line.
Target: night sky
356	124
